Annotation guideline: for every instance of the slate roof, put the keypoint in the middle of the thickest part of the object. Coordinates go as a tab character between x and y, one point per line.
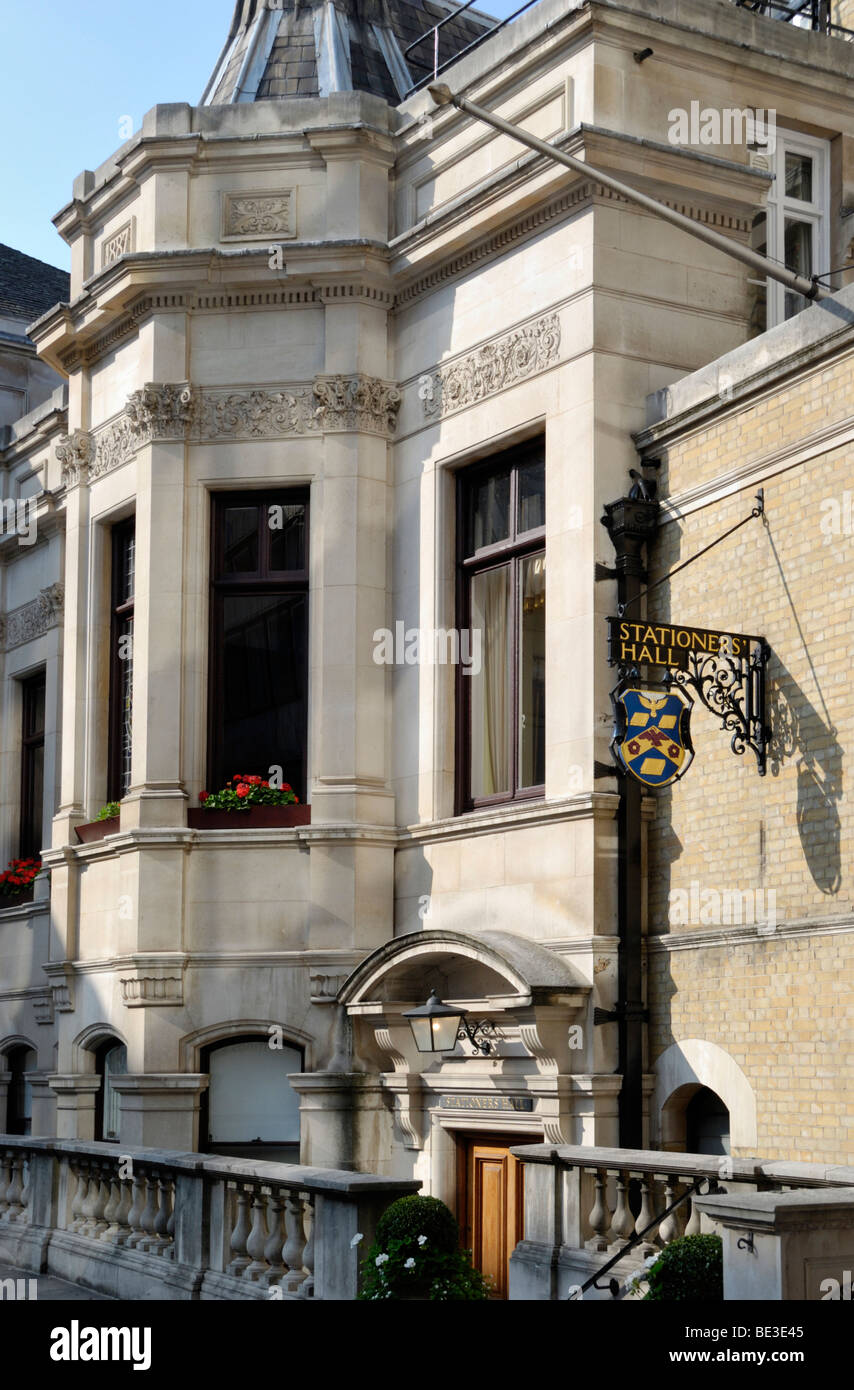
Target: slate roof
293	67
28	288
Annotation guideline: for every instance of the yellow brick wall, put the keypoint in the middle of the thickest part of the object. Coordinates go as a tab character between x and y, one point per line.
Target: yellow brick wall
783	1007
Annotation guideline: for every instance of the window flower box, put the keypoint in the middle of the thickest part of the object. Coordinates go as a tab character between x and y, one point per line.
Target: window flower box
95	830
16	882
249	802
254	818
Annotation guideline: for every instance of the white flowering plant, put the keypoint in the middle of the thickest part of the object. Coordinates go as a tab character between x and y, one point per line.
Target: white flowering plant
416	1255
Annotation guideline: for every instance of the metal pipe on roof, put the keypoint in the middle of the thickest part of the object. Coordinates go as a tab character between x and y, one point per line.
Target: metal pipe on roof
809	288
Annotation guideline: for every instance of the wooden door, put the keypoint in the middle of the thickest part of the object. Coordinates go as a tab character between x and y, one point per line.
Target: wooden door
491	1179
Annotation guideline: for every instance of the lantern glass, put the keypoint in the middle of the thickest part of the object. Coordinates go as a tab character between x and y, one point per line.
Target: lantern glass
435	1025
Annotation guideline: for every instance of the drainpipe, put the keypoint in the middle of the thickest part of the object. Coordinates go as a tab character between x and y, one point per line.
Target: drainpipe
631	523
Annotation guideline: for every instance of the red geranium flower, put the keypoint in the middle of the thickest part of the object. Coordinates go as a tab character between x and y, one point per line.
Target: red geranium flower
265	784
203	796
243	790
287	787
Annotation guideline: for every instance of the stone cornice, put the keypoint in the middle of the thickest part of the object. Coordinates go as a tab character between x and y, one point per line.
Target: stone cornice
122	295
181	411
700	939
32	619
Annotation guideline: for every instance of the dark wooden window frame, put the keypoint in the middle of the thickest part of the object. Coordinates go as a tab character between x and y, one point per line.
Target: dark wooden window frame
121	610
265	581
517	547
30	742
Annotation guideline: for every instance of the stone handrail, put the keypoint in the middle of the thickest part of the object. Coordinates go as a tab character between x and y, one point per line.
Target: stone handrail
151	1223
583	1204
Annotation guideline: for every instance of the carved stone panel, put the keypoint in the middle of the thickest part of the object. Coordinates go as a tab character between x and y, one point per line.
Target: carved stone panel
492	368
259	216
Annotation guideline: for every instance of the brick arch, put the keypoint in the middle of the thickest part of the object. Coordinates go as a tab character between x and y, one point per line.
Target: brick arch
682	1070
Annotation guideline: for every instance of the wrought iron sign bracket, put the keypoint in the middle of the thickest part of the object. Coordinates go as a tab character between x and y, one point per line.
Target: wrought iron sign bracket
733	689
482	1035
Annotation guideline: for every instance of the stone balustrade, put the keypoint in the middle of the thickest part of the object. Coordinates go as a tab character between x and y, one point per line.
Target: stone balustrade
582	1205
149	1223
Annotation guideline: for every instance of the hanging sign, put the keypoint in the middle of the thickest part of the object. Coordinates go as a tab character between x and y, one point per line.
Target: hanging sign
652	740
725	670
632	642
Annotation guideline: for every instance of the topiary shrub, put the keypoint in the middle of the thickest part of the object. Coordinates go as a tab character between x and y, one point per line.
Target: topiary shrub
417	1256
690	1269
411	1217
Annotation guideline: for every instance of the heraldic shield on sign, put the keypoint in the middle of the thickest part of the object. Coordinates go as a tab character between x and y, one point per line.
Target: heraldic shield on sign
653	736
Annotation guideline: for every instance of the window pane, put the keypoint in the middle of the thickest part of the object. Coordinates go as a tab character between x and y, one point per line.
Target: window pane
125	632
240	552
287	537
490	511
532	496
115	1064
250	1096
798	254
31	836
264	673
532	671
799	177
491	691
34	694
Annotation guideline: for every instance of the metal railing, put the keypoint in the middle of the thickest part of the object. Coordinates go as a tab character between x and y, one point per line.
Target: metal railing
801	14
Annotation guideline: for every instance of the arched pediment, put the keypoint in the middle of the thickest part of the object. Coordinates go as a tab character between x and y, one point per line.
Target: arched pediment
492	964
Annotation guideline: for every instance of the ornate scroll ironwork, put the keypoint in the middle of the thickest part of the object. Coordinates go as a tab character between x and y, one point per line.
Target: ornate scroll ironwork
732	688
482	1035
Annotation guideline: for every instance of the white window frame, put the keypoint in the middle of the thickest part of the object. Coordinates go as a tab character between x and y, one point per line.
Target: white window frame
779	207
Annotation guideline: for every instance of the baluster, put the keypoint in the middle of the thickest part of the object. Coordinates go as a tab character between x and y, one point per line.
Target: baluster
294	1248
123	1213
102	1196
240	1235
135	1213
78	1170
257	1239
623	1224
670	1227
275	1241
161	1220
307	1286
24	1213
14	1190
647	1213
111	1210
87	1209
169	1251
149	1215
693	1227
5	1179
600	1217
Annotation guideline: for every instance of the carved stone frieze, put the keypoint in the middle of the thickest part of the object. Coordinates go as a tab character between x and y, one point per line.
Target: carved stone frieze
492	368
164	411
32	619
256	414
357	403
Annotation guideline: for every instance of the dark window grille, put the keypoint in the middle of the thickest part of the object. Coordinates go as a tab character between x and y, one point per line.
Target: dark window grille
501	594
258	711
121	661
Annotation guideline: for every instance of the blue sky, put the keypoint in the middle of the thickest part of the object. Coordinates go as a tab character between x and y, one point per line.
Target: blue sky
72	72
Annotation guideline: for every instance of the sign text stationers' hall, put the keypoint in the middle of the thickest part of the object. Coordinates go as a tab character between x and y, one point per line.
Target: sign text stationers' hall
652	737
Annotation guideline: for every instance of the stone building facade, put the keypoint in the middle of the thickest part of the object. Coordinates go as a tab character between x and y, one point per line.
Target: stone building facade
387	320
